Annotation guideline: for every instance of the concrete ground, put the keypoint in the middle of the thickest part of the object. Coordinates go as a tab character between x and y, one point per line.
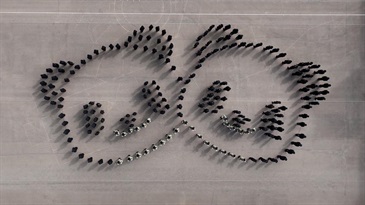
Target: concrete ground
36	166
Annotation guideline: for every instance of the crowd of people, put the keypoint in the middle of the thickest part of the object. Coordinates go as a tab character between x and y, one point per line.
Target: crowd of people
305	74
155	42
55	78
210	103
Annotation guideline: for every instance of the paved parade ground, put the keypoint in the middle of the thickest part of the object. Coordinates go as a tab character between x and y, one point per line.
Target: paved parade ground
36	162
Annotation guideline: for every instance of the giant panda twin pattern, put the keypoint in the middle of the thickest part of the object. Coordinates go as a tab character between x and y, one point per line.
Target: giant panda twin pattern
156	45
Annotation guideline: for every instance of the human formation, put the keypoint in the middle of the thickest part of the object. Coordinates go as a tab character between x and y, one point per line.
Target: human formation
210	103
154	42
156	101
129	126
235	122
223	38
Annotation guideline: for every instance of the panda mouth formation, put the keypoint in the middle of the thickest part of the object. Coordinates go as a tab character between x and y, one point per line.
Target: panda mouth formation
154	43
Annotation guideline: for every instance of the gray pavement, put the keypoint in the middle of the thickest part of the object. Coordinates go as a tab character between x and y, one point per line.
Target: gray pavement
36	166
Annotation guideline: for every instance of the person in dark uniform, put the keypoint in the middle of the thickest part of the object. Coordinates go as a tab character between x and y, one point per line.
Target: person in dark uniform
297	144
302	124
304	115
283	158
74	149
263	160
252	159
280	55
289	151
272	160
150	27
